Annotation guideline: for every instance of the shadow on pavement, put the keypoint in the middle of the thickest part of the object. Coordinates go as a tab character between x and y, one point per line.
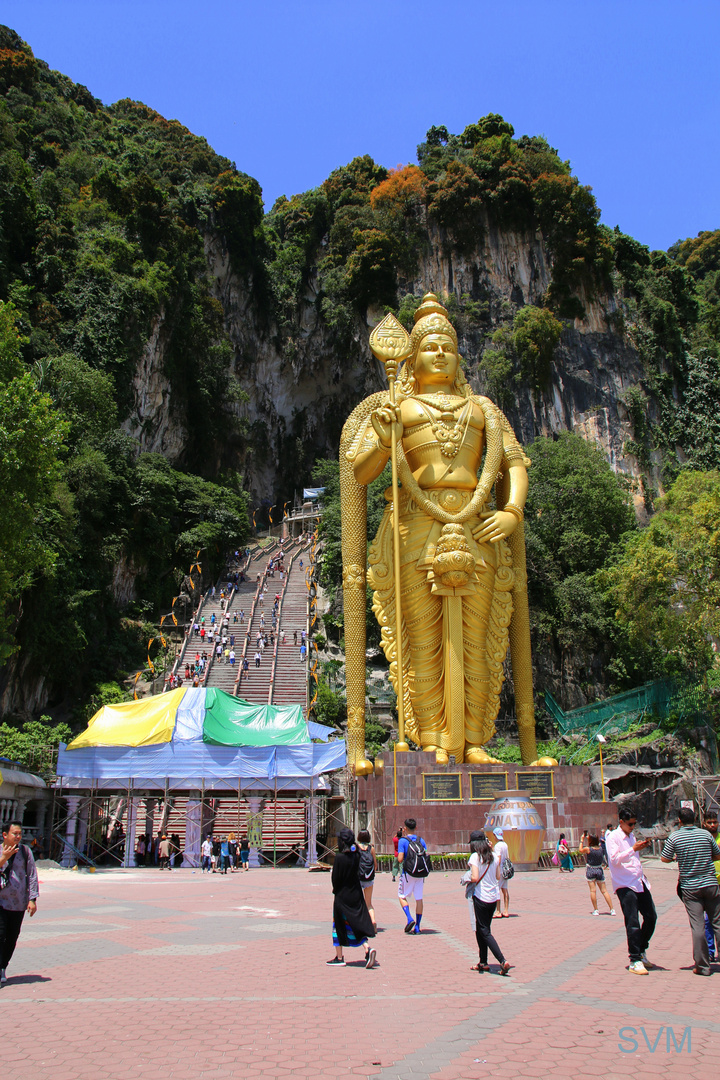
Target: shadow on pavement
20	980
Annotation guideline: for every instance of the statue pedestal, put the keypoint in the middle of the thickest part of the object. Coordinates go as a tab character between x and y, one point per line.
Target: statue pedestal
450	801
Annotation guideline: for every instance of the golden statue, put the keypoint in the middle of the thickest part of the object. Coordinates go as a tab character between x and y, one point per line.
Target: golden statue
447	568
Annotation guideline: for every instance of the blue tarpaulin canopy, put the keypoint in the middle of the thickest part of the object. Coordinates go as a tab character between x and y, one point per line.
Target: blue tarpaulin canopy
187	764
199	737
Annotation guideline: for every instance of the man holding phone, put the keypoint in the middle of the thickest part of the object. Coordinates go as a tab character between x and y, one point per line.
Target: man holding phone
18	890
632	888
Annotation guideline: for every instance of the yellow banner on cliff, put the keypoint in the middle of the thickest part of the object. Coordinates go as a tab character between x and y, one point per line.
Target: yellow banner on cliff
134	723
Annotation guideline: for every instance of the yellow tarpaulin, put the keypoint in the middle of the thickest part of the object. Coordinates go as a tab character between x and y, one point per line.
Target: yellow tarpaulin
134	723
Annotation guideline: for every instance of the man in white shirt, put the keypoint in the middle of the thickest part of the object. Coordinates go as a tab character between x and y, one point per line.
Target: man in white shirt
206	852
632	888
500	851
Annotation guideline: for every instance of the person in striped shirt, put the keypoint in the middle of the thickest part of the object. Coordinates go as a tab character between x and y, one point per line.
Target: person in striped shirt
695	851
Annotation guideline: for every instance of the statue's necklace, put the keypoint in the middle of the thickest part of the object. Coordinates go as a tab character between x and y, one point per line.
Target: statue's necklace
449	430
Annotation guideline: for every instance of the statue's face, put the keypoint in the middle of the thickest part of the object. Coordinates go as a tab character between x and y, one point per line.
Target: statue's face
437	360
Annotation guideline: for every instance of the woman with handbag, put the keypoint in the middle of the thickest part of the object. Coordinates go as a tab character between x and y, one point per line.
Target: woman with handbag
594	872
484	870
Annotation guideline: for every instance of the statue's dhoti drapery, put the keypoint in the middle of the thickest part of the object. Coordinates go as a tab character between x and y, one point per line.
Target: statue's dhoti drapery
455	636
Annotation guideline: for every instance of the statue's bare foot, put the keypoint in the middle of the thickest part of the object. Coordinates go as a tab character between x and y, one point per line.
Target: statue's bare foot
475	755
441	756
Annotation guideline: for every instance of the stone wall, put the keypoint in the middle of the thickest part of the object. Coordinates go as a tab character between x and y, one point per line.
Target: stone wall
446	826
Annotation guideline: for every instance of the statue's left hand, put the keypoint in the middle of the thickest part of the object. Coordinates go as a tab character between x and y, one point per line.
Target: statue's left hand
496	526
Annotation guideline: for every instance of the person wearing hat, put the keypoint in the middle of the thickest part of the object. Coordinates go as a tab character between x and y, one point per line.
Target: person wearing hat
500	850
164	853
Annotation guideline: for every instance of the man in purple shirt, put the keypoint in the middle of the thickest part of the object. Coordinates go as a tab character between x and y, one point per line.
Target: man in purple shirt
18	891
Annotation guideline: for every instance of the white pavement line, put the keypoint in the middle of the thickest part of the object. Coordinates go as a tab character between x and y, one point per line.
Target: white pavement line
331	996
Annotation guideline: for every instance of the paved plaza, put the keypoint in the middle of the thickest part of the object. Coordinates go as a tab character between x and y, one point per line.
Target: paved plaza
142	975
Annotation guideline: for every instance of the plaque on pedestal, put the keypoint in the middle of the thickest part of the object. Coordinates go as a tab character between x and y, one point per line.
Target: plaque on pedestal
540	785
483	786
442	787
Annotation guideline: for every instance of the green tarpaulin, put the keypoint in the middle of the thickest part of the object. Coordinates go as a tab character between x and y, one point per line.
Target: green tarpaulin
230	721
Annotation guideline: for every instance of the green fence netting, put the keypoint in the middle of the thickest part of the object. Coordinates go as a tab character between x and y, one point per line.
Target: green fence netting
659	698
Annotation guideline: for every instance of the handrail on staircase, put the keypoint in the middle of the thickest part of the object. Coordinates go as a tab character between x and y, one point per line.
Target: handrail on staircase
259	587
195	617
283	588
197	614
251	616
76	851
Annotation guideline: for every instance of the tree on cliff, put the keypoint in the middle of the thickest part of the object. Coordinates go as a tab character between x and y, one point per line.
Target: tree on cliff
664	584
31	436
576	513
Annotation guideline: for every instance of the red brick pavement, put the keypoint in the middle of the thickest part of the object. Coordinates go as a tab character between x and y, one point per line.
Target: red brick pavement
143	975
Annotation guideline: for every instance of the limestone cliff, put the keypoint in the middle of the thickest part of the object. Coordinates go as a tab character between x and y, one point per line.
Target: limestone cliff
300	389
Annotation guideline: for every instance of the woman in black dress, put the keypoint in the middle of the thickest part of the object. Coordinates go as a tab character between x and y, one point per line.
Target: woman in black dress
352	925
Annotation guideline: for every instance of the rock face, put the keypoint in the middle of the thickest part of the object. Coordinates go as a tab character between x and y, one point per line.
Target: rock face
153	421
23	690
301	388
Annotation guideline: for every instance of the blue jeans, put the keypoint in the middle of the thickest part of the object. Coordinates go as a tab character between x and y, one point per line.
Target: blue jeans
709	936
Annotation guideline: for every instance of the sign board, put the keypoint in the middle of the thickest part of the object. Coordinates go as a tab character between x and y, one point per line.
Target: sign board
442	787
688	803
484	785
538	784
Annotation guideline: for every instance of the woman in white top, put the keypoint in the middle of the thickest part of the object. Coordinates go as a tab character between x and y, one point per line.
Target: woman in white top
484	874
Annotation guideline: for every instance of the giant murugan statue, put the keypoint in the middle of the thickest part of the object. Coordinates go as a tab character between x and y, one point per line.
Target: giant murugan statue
447	567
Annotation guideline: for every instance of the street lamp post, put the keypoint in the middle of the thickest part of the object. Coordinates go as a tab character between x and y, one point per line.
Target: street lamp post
601	739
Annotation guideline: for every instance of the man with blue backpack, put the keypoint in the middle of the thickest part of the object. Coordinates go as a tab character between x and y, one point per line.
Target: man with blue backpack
414	868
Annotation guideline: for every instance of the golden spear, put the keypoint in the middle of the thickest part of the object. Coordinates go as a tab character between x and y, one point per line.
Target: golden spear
390	343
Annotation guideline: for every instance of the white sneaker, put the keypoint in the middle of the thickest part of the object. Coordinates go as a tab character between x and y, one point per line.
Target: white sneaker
595	912
638	968
3	977
613	911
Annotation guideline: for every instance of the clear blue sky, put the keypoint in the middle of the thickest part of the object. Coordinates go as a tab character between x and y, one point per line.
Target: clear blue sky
290	89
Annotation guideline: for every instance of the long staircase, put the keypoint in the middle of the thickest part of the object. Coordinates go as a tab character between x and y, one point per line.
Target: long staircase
290	681
281	677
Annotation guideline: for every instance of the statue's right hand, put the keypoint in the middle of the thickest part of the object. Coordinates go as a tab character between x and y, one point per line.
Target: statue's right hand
384	420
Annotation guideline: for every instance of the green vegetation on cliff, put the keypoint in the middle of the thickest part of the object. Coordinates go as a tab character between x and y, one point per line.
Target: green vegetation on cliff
103	213
355	240
664	584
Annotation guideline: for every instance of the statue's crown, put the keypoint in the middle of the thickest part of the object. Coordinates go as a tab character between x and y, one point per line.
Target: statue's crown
431	317
430	306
